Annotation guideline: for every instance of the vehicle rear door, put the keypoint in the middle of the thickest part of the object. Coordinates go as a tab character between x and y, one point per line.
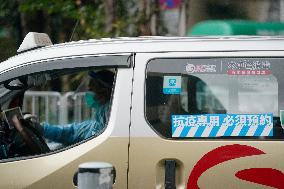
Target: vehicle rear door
207	120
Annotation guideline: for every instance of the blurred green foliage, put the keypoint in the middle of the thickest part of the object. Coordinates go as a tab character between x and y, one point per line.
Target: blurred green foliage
66	8
90	14
7	48
93	18
65	20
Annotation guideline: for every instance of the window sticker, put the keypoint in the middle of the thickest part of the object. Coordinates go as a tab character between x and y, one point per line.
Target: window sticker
249	67
172	85
201	68
218	125
282	118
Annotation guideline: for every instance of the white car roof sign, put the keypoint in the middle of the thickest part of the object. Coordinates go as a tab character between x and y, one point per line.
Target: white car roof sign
34	40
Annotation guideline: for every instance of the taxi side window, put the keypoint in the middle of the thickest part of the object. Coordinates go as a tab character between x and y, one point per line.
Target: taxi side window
231	98
56	109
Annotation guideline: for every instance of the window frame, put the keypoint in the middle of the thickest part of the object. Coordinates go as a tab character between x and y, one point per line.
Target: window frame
223	138
58	63
126	61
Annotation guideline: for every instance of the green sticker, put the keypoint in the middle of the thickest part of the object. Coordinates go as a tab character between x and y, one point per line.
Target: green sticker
282	117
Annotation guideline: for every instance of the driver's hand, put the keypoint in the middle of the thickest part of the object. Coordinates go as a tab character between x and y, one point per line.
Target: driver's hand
33	122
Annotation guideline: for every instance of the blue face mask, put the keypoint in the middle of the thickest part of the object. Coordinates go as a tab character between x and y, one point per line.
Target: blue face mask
90	100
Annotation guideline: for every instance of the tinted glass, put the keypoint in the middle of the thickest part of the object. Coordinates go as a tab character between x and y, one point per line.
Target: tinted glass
216	98
54	110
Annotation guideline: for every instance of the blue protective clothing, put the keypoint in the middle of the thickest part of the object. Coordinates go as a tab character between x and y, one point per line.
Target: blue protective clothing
75	132
90	100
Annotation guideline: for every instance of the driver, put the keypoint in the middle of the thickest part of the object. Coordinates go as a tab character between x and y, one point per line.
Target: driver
98	97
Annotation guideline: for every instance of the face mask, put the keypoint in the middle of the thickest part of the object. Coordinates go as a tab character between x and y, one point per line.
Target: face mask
90	100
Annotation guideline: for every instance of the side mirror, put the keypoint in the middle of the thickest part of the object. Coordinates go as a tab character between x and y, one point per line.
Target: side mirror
15	84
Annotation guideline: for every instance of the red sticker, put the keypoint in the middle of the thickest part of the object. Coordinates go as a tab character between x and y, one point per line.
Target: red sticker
217	156
249	72
265	176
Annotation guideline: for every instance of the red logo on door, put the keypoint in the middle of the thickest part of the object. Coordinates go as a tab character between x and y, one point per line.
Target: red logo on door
265	176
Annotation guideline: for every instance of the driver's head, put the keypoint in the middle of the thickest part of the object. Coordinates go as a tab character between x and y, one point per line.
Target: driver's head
101	84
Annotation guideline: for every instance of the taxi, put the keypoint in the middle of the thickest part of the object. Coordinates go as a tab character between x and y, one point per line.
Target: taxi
182	112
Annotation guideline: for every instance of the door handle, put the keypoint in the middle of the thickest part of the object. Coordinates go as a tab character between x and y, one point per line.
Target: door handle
170	174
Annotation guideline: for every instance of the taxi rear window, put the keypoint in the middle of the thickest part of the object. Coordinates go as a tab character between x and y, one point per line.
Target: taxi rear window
216	98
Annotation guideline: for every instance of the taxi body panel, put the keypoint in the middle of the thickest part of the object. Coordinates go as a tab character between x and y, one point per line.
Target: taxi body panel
56	169
149	150
137	152
147	45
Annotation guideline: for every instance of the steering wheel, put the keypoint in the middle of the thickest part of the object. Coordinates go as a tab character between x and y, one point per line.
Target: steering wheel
32	138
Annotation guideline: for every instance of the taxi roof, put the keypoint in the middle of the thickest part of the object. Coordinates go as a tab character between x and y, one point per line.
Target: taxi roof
147	44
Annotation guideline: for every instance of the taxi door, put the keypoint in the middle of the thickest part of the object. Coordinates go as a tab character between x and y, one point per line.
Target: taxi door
56	168
207	120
